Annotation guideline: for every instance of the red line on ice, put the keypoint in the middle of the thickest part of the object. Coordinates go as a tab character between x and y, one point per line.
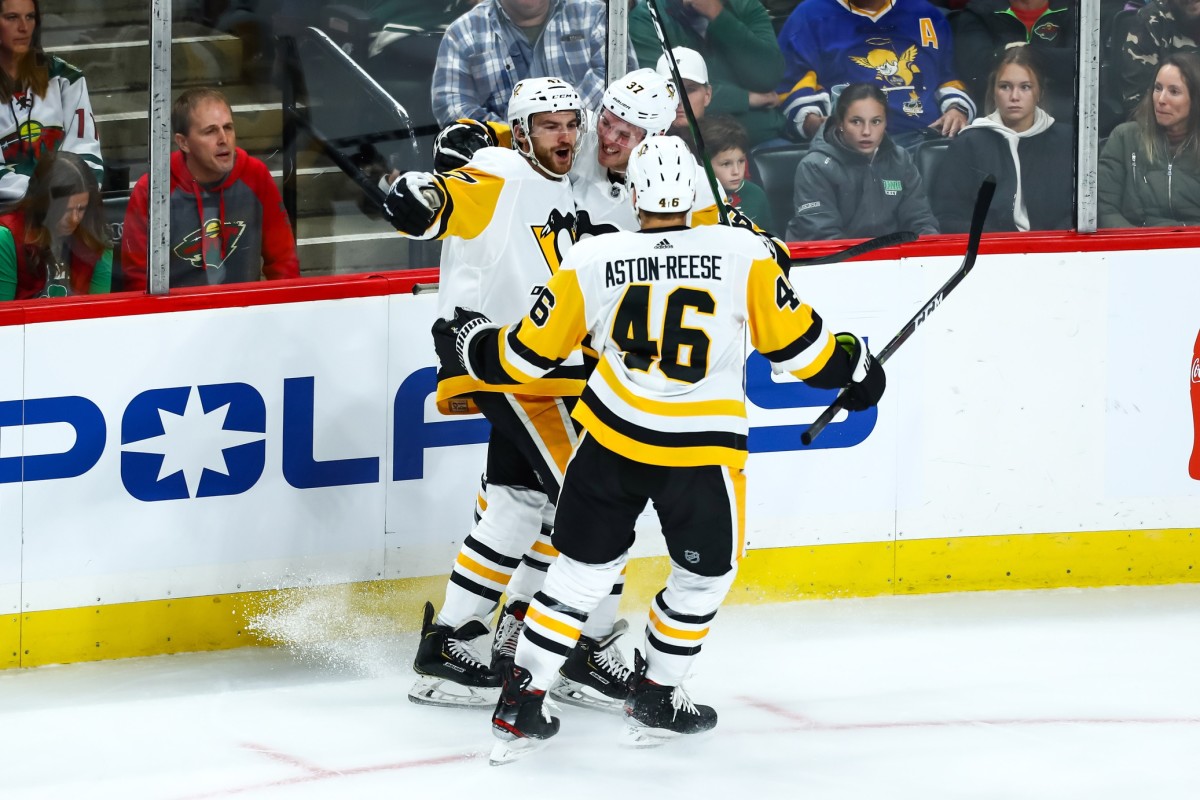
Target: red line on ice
318	774
807	723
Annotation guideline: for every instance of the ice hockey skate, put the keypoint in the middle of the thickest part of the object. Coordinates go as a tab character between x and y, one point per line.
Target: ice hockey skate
451	672
595	674
656	714
521	722
508	632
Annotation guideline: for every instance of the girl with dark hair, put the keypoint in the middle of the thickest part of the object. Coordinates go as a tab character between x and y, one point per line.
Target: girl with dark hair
1030	155
855	182
44	103
55	243
1150	167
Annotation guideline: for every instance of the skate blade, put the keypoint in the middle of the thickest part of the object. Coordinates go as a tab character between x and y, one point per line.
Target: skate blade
429	691
507	751
640	736
576	694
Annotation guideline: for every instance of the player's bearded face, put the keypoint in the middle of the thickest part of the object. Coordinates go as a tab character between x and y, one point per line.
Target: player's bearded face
554	135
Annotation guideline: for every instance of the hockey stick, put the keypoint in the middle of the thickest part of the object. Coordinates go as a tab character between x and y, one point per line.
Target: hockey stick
693	126
854	251
982	202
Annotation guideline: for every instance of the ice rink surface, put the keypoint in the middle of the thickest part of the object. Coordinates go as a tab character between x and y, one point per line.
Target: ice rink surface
1012	695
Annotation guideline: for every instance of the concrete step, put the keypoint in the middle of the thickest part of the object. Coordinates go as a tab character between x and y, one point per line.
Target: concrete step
94	16
347	241
199	56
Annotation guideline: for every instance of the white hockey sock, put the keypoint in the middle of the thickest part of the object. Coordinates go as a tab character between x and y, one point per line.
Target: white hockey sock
680	618
555	617
600	622
529	577
509	524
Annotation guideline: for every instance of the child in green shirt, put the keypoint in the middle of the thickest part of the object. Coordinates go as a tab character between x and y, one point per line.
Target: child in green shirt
726	140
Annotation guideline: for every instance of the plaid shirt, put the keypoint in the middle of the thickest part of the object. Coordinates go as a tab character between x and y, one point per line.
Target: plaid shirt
475	74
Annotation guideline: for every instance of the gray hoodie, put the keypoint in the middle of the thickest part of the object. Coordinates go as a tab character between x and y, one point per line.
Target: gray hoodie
841	193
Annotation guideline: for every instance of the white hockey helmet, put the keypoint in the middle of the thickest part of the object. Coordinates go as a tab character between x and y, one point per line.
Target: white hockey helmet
539	95
643	98
662	175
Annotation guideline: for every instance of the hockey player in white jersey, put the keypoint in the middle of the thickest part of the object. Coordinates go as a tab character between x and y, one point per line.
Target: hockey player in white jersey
668	308
507	218
639	104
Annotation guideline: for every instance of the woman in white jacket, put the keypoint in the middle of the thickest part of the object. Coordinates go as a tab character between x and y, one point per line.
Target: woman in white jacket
1019	143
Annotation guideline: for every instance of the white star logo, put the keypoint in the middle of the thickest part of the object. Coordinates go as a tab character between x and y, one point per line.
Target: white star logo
193	442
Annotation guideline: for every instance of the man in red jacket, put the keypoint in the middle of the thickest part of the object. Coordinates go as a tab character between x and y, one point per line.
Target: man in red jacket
227	218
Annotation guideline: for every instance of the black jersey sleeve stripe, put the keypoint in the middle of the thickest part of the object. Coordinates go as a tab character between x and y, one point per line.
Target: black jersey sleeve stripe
734	441
516	346
810	337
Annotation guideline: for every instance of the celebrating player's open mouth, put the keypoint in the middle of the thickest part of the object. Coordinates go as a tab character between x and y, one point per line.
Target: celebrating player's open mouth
554	135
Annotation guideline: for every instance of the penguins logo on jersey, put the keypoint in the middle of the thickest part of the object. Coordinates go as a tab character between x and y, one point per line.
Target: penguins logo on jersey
555	237
192	248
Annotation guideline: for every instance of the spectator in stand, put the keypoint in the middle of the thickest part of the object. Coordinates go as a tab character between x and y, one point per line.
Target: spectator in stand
47	106
855	182
985	29
694	74
1019	143
1150	167
904	46
499	42
737	42
1160	27
227	218
55	244
727	144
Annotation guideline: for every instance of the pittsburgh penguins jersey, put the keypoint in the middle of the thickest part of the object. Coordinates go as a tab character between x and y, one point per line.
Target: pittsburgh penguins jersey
506	229
604	204
32	125
669	310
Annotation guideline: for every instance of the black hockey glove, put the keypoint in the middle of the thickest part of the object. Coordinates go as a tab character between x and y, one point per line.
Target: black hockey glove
458	142
867	380
413	202
451	338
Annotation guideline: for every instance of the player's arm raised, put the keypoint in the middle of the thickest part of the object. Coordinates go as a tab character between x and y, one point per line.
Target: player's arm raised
425	205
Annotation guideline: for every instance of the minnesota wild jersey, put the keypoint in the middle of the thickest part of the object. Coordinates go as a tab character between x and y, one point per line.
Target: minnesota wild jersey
32	126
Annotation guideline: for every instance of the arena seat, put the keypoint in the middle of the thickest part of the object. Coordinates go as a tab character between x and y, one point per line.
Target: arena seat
775	171
929	157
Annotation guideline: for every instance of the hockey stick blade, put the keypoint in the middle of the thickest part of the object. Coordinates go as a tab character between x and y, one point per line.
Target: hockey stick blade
978	217
854	251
